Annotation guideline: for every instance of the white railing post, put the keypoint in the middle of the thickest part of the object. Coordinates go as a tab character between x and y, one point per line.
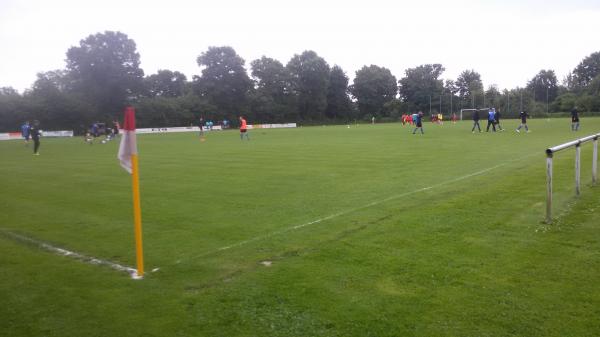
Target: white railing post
548	187
595	162
577	168
577	144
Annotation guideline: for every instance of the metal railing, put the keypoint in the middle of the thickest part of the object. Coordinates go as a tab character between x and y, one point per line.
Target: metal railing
550	154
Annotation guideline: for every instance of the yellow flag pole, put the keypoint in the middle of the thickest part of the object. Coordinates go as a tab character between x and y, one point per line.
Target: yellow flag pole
137	215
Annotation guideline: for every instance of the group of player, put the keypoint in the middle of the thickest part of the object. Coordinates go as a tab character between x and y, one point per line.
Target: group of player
493	120
416	119
96	130
208	125
411	119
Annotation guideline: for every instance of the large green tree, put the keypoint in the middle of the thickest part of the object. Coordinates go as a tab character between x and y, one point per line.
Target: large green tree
224	81
54	106
421	84
271	76
587	69
165	83
469	87
309	81
271	97
12	110
452	103
493	96
543	86
51	103
373	87
105	68
338	102
593	88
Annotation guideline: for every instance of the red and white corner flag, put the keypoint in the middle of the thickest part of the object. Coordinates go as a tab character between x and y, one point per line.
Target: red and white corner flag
129	160
128	146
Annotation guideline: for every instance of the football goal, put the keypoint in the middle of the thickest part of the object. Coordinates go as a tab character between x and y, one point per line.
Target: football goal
469	110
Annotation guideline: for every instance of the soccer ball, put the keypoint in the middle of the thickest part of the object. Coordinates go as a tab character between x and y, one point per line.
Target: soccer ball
103	142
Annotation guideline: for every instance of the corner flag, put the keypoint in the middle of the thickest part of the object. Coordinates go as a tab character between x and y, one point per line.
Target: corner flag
128	146
128	157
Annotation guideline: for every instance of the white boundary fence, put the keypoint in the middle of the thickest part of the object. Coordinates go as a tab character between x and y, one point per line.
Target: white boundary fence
214	128
550	154
17	135
172	129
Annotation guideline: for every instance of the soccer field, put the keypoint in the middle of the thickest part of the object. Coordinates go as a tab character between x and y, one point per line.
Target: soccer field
314	231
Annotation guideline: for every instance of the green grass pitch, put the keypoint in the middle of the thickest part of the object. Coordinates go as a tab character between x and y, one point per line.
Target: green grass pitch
313	231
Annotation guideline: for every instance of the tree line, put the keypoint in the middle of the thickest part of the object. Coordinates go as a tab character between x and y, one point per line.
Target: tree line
103	74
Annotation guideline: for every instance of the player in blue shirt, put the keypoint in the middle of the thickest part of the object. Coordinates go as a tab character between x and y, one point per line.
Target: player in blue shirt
419	122
26	131
95	130
491	120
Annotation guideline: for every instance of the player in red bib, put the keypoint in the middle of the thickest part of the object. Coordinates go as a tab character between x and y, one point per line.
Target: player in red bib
243	129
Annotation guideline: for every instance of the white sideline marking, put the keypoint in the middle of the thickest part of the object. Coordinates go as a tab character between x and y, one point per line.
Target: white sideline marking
87	259
374	203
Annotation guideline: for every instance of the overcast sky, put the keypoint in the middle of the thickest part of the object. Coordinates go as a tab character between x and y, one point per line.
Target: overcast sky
507	42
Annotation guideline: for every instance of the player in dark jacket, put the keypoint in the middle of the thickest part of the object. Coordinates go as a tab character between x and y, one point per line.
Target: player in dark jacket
476	121
201	126
523	115
35	135
497	120
574	119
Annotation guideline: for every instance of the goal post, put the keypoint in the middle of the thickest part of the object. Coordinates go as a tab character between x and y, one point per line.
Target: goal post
549	158
478	109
